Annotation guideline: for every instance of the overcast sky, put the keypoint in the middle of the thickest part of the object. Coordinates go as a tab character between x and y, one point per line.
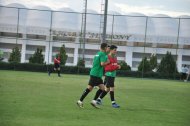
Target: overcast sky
148	7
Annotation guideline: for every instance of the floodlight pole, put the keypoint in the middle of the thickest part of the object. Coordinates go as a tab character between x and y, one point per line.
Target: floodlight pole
18	22
84	30
105	21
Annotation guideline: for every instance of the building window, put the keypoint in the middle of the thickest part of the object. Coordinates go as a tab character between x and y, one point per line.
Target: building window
173	46
68	50
33	36
92	41
186	47
34	48
139	44
63	38
9	34
117	43
141	55
88	51
120	54
186	58
135	64
70	60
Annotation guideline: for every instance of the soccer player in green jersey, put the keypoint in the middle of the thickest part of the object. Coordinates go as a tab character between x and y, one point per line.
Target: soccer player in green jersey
96	73
107	52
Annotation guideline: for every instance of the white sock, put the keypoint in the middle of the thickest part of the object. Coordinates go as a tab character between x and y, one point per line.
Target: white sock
113	102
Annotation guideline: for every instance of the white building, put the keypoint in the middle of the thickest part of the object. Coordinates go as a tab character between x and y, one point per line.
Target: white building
135	34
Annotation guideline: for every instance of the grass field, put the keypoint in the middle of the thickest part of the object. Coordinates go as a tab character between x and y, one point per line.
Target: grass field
35	99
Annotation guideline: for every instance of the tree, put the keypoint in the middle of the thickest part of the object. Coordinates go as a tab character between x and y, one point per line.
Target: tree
81	63
124	66
167	64
15	55
1	55
144	65
37	57
63	55
153	61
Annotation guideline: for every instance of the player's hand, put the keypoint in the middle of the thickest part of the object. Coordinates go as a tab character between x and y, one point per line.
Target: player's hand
107	62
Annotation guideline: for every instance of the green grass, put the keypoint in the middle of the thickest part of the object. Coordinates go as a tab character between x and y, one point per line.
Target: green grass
35	99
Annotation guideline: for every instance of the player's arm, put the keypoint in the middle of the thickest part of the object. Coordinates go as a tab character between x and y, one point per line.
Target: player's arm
111	67
57	60
105	63
103	60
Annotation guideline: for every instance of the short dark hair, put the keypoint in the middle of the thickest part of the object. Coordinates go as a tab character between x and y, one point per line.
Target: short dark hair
103	45
112	47
57	55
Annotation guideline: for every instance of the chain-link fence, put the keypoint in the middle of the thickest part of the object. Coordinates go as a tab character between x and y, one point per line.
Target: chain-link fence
136	35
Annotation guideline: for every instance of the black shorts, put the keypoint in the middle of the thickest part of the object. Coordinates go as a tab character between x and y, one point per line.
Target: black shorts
56	65
109	81
184	76
105	80
95	81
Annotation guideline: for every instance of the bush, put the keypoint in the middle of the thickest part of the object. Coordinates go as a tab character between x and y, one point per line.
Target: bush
6	66
1	55
153	62
15	55
124	66
81	63
144	66
63	55
167	65
37	57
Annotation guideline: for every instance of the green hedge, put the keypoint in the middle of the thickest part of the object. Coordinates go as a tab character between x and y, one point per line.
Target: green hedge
139	74
42	68
23	67
82	70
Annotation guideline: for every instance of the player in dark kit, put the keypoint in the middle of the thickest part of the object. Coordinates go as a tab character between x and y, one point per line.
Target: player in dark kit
57	61
96	73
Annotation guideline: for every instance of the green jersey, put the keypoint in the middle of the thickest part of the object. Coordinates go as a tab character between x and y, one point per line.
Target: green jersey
111	74
97	69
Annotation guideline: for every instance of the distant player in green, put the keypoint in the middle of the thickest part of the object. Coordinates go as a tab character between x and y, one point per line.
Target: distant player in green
96	73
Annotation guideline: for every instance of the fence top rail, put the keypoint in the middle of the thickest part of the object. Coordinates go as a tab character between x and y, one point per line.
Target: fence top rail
127	15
